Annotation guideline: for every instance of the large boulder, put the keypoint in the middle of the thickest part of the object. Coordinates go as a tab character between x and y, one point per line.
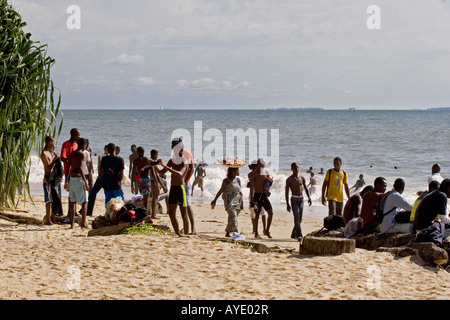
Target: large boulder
431	253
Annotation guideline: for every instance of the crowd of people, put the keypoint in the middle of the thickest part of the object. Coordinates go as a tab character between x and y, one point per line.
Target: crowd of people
371	207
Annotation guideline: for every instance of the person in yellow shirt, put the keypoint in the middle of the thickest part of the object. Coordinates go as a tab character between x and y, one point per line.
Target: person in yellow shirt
333	188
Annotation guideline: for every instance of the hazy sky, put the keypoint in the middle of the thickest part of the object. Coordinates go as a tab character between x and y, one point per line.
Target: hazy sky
246	54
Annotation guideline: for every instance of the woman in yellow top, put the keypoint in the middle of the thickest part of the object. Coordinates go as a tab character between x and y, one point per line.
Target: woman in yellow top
332	188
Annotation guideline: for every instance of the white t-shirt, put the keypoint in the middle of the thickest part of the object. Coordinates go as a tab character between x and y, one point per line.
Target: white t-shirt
435	177
87	158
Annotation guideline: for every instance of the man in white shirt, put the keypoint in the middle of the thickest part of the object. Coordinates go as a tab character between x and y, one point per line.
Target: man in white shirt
394	203
435	174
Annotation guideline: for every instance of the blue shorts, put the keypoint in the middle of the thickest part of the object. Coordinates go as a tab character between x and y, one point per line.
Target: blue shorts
76	190
110	194
46	186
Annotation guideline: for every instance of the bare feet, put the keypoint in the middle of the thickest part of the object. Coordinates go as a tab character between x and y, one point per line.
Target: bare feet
267	233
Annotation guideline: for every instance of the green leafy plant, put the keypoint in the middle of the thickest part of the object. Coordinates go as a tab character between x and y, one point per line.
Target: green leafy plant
28	106
145	229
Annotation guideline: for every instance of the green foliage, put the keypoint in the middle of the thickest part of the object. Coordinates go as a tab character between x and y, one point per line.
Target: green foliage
146	229
27	103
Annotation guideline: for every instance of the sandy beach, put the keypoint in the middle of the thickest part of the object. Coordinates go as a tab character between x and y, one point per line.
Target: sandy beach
54	262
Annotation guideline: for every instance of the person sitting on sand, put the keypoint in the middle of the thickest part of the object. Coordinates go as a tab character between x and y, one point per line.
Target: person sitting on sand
260	197
433	185
352	208
77	185
392	210
177	166
232	198
435	173
296	184
370	199
48	159
433	205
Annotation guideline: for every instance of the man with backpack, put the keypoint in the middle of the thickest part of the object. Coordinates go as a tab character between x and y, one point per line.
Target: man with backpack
333	188
392	204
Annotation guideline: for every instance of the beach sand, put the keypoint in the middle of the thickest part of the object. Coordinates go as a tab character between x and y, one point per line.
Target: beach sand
54	262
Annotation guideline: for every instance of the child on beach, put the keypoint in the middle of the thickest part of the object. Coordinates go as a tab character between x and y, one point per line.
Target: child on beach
232	197
48	159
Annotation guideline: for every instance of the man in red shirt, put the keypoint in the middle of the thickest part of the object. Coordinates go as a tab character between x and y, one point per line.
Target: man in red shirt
67	148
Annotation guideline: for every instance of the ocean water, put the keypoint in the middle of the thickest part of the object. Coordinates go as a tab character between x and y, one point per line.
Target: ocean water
388	143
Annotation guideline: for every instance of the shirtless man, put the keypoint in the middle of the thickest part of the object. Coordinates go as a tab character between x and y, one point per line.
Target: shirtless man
133	156
296	184
262	213
260	196
200	174
156	182
312	184
370	199
352	208
177	166
48	159
77	185
143	182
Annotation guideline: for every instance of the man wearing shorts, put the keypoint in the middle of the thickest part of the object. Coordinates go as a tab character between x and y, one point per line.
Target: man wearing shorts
187	181
260	197
77	185
67	148
177	195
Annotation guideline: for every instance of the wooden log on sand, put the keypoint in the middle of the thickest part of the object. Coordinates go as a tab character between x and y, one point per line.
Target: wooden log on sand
327	245
109	230
20	219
